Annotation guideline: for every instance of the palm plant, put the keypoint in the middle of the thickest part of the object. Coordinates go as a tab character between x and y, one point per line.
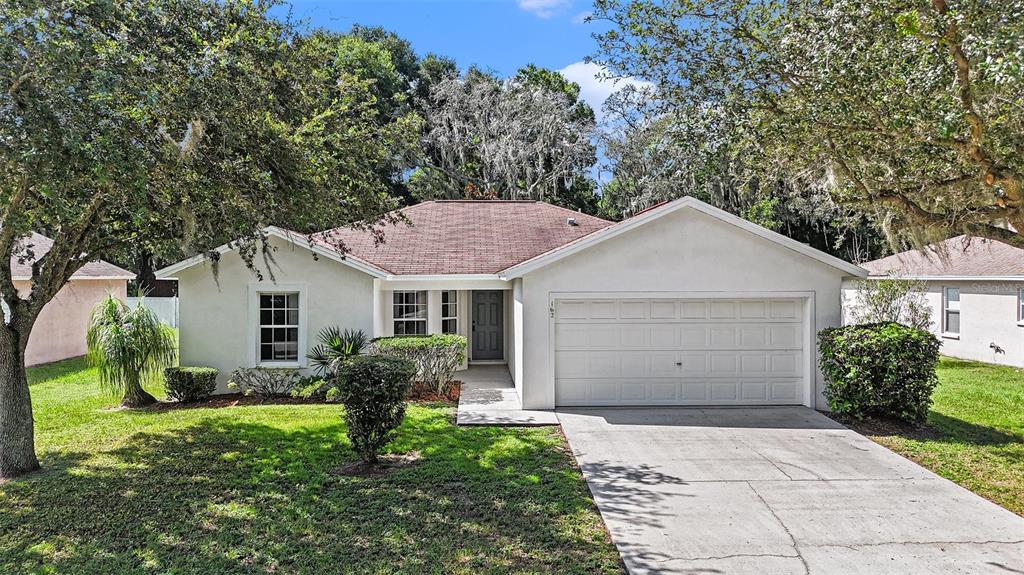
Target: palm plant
130	347
336	345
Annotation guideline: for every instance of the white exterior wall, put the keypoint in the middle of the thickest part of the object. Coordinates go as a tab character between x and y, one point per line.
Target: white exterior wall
988	315
682	252
216	314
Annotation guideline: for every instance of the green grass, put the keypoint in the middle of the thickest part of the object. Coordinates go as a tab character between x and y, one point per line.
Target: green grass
975	431
254	489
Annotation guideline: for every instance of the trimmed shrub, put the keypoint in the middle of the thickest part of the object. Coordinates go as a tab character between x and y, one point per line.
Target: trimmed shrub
436	356
883	369
373	390
264	382
187	384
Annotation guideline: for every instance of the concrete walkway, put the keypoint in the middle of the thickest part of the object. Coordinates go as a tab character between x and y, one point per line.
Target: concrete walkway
778	490
489	398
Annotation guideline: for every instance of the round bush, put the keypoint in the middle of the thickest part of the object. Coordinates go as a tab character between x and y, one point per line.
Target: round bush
373	390
883	369
186	384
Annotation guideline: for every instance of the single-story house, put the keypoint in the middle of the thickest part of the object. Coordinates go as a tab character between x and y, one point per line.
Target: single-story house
975	288
683	304
59	332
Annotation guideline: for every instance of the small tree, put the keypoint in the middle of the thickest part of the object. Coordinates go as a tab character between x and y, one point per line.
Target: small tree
373	390
897	300
130	347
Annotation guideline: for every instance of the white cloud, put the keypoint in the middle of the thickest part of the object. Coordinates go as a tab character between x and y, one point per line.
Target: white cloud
594	90
544	8
581	18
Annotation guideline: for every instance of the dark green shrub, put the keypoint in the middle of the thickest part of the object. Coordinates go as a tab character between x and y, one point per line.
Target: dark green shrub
316	388
436	356
373	390
186	384
879	369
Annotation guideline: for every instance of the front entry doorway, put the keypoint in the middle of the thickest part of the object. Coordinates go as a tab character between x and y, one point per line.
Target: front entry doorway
488	325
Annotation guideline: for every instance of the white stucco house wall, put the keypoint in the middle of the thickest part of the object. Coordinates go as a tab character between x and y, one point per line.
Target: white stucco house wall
975	288
683	304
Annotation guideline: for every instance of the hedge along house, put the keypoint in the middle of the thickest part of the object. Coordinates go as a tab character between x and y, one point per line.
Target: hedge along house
59	332
975	289
683	304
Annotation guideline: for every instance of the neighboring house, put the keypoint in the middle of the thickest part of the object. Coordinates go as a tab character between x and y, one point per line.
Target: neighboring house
683	304
975	290
59	332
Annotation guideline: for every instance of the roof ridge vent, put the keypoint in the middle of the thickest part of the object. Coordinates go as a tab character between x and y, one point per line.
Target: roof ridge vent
571	222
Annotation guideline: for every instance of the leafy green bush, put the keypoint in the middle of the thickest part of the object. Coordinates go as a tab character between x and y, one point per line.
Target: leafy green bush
187	384
879	369
316	388
335	345
264	382
436	356
373	390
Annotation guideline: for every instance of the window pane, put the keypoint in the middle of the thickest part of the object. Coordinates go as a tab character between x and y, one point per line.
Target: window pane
278	300
279	317
266	317
953	322
266	352
293	301
293	317
952	294
449	326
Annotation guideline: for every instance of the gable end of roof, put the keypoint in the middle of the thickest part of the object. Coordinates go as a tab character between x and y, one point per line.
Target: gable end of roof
662	210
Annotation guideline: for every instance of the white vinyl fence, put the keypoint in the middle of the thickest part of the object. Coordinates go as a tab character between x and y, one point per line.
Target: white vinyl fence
165	308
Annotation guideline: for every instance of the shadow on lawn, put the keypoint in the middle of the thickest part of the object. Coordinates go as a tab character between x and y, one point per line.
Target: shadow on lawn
940	428
226	496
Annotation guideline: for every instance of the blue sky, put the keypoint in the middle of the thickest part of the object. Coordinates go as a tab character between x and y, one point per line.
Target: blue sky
500	35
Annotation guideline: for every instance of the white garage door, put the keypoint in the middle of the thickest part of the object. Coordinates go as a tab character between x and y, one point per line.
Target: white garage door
679	351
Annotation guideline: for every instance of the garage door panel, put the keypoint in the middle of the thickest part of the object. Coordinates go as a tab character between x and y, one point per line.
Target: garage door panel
622	351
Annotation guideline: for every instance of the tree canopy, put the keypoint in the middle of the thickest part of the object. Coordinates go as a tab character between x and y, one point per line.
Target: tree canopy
178	122
527	137
909	111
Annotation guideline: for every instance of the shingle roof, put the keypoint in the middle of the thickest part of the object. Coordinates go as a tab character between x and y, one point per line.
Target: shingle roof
465	236
40	245
960	256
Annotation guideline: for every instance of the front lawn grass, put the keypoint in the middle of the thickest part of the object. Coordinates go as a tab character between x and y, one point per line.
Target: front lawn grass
254	489
975	431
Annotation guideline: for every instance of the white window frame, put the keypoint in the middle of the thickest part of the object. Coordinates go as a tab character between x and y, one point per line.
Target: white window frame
396	318
453	304
255	290
1020	306
947	308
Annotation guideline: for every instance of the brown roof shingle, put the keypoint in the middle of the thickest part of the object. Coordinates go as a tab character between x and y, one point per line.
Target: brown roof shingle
960	256
40	245
465	236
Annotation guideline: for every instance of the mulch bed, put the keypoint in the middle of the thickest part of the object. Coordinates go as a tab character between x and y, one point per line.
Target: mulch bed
424	394
884	427
232	400
420	394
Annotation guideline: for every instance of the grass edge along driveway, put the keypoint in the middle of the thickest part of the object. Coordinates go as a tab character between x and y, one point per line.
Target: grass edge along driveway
975	431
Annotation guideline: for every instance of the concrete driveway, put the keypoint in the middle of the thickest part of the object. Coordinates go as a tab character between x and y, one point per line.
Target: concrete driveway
778	490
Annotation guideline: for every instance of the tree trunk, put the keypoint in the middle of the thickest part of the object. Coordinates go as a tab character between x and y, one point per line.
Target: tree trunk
17	447
135	396
146	278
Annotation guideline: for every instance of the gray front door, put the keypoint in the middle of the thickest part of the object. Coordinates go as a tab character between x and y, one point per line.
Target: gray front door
488	325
